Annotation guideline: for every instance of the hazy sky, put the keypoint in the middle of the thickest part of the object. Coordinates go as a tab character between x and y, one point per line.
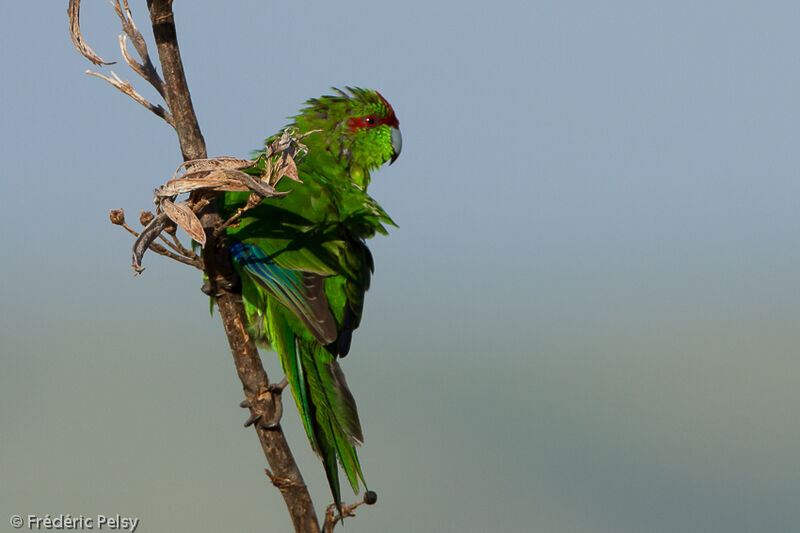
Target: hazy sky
587	321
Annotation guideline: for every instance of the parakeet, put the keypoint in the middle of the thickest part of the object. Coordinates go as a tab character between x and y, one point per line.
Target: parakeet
304	265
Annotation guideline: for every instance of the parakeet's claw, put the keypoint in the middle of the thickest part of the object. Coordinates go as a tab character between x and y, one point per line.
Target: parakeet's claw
225	284
206	288
266	407
277	388
228	284
255	417
262	422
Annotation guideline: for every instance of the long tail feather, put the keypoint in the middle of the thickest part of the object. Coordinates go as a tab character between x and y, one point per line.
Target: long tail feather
335	414
324	401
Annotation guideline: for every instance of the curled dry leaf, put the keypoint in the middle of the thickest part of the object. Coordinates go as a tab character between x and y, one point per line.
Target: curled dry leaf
73	11
289	141
285	166
218	180
183	216
204	165
145	238
261	187
280	144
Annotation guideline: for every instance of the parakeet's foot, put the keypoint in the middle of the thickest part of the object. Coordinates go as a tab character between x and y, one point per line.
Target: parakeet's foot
213	289
277	388
267	408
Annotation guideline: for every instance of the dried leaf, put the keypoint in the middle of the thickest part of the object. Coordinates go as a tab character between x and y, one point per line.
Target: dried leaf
205	165
281	143
145	238
217	181
183	216
77	39
261	187
286	166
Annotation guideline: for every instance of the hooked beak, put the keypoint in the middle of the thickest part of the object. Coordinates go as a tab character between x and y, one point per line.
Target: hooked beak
397	144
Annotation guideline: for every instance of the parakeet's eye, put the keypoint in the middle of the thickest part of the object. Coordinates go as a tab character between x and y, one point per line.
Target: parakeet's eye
369	121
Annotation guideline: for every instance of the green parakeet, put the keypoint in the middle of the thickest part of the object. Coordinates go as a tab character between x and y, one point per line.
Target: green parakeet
304	266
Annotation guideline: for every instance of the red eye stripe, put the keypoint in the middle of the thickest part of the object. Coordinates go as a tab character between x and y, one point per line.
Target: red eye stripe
371	121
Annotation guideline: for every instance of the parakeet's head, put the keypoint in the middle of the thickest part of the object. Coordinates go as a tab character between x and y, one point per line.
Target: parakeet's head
359	128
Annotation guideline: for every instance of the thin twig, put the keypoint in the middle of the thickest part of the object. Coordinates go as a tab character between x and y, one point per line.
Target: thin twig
74	13
145	69
160	250
332	516
185	251
125	87
118	218
252	201
170	244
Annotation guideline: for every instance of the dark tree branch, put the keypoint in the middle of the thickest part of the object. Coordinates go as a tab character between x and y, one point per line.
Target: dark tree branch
263	400
222	277
177	91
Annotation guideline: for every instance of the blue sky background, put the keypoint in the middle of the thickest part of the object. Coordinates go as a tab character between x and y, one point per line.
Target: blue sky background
587	321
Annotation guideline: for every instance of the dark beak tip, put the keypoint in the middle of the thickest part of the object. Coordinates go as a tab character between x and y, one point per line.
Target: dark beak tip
397	144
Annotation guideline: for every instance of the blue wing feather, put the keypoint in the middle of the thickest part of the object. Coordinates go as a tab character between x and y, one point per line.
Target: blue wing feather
292	288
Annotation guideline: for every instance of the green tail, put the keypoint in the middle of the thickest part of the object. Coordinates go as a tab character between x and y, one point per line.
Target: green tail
323	399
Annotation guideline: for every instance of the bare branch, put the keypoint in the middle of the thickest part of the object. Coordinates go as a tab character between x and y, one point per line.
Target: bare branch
180	247
176	89
160	250
126	88
254	200
175	245
145	69
73	11
332	517
222	281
